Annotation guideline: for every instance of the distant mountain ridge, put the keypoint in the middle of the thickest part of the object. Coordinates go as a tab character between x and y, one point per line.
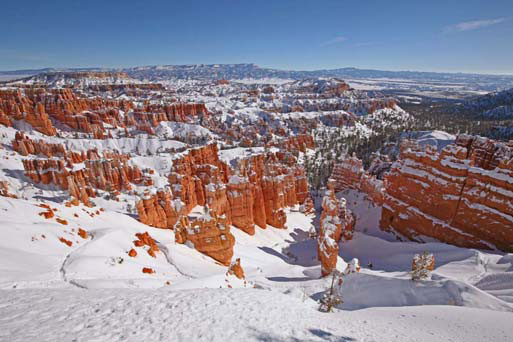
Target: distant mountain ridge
253	71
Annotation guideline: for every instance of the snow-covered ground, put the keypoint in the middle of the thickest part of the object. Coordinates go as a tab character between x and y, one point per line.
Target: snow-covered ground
228	315
94	291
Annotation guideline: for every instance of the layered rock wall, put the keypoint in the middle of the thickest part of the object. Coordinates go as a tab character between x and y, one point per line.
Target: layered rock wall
462	195
78	172
90	115
350	174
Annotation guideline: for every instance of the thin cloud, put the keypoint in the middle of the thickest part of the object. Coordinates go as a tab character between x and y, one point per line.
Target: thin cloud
474	25
337	39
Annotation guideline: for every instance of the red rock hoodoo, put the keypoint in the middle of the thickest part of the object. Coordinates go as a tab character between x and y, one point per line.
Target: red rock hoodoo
108	172
336	222
88	114
209	234
255	193
236	269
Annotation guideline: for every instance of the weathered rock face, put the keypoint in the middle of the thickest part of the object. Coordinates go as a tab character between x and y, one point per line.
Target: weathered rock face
201	178
144	239
471	183
180	112
160	210
4	190
336	222
13	104
373	187
89	115
256	193
4	119
241	201
299	143
109	172
25	146
209	234
349	174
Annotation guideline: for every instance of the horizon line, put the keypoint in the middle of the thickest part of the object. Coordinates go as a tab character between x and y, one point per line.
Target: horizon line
64	69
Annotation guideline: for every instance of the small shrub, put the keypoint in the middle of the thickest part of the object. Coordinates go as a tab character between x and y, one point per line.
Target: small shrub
332	297
421	266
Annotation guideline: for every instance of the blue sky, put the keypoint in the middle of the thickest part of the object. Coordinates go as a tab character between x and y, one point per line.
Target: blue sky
465	35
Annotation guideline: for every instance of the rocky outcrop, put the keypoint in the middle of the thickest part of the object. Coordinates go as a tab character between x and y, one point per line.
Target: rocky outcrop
336	222
109	172
255	192
82	233
153	114
144	239
347	174
148	270
4	119
257	195
159	209
89	114
4	190
25	146
462	195
236	269
241	198
15	105
373	188
208	234
66	242
350	174
297	143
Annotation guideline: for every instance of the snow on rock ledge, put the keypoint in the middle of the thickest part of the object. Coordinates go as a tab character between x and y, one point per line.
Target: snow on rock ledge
462	195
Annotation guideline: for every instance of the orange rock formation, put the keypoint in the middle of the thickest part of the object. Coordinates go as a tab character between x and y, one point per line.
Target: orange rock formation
336	222
462	195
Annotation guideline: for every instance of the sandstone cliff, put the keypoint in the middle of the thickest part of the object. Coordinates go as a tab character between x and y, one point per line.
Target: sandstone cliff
462	195
88	114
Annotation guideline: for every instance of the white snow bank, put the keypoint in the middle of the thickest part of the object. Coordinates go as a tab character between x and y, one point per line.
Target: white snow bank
229	315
